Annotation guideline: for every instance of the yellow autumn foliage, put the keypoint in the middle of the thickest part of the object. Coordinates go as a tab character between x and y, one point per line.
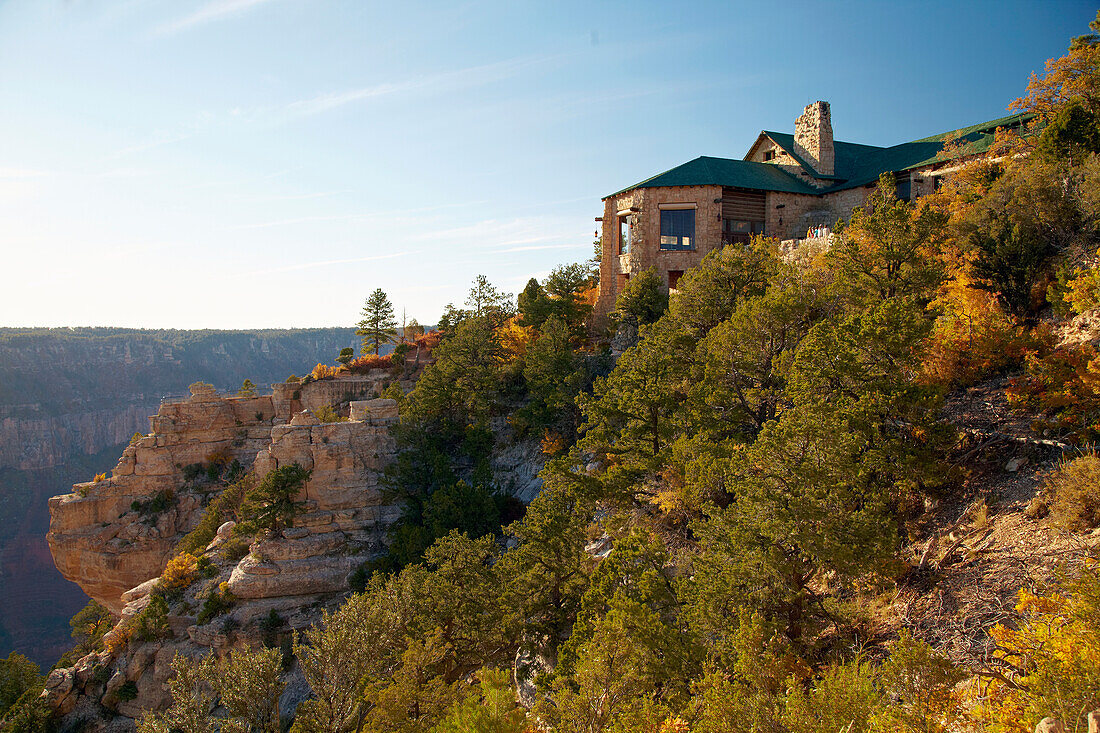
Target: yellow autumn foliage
972	337
1049	666
178	572
514	338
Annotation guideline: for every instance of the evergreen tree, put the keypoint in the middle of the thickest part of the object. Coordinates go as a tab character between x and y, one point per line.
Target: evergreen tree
442	474
555	375
272	503
888	249
485	301
378	325
534	306
17	675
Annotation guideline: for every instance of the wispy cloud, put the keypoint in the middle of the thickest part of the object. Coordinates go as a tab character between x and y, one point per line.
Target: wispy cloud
332	100
329	263
545	246
393	215
156	140
290	196
456	79
299	220
212	11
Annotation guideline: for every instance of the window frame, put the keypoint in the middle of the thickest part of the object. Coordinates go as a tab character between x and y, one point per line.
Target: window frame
674	211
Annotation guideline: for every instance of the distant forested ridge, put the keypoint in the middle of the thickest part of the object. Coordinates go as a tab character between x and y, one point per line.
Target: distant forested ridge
52	371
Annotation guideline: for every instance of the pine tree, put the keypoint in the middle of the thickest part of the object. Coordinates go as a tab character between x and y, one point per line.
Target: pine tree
378	325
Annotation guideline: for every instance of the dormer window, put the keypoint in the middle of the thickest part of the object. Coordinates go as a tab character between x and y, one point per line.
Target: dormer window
769	155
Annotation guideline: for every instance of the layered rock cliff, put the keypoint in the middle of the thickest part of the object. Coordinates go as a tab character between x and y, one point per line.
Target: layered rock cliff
104	537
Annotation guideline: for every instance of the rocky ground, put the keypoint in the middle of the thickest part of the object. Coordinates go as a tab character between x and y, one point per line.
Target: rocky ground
990	537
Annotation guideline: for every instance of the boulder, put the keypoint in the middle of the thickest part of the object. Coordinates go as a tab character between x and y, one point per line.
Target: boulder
376	410
139	591
305	417
1050	725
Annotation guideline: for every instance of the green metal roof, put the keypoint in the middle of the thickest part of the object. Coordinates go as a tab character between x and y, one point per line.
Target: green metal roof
705	171
855	165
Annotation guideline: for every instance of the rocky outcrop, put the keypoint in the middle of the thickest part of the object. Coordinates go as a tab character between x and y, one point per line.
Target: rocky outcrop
108	536
345	518
105	537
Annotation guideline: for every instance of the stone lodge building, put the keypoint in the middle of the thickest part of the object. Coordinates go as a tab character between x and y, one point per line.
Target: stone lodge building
785	187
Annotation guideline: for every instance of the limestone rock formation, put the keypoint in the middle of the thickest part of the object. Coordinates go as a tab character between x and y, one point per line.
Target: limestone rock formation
114	536
106	536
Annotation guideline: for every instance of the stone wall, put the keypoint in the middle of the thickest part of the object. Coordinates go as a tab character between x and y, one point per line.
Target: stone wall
800	212
645	249
290	398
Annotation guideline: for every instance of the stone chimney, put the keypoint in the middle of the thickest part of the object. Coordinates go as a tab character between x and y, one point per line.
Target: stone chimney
813	138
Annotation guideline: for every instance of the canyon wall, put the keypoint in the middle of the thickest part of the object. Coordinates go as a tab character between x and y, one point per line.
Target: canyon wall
69	401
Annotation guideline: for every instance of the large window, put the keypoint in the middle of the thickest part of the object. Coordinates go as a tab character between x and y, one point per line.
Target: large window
624	234
740	232
677	229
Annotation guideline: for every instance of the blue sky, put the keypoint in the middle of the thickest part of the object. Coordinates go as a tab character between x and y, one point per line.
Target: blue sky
268	163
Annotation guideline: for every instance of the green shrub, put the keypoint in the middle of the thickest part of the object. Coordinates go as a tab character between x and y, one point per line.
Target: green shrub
206	568
193	471
235	547
17	675
271	504
29	714
222	509
128	691
1074	490
643	300
328	414
218	602
159	504
152	623
269	628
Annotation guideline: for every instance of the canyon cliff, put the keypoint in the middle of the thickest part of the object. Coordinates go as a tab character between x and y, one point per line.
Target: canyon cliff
69	401
113	537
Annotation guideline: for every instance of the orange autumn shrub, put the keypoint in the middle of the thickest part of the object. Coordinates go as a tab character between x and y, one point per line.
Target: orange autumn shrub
1049	665
365	363
429	340
1064	386
972	337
